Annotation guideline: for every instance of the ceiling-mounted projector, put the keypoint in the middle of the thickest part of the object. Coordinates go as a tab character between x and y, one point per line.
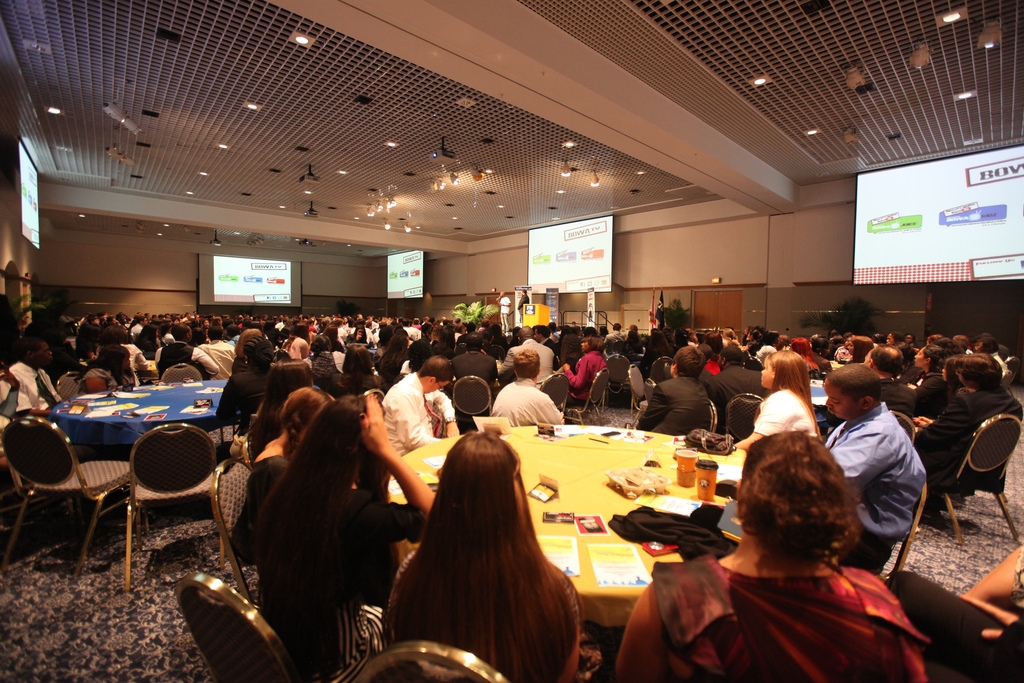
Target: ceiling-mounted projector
309	177
443	155
310	212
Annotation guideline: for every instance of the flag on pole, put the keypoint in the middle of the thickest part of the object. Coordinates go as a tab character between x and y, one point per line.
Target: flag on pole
651	317
660	314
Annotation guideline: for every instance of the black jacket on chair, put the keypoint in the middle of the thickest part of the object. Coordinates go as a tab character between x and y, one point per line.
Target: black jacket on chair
476	363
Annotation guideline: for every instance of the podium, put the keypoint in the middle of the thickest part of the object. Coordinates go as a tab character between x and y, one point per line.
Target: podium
536	314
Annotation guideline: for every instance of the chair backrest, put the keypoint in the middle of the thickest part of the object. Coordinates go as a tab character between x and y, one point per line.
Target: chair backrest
556	386
599	387
619	346
38	452
649	386
421	661
471	395
460	348
172	457
714	415
69	385
906	422
993	443
182	372
237	643
660	369
227	497
636	383
740	413
1012	367
618	369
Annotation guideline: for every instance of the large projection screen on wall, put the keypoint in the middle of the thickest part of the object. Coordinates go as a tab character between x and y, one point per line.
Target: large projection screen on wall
572	256
405	275
246	281
955	219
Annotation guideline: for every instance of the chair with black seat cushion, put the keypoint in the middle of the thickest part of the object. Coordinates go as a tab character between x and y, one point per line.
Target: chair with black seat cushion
69	385
182	372
906	423
471	395
227	497
236	642
991	448
170	464
661	369
618	373
595	399
740	414
556	386
44	466
421	661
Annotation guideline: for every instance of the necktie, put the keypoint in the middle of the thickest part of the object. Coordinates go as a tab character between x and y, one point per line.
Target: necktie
436	423
44	392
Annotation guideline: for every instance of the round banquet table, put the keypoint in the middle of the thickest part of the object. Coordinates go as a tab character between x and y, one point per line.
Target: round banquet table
578	464
125	429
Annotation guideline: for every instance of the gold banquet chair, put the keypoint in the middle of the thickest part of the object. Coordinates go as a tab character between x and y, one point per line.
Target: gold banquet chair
44	466
171	464
740	415
556	386
471	395
661	369
182	372
237	643
227	497
595	399
423	661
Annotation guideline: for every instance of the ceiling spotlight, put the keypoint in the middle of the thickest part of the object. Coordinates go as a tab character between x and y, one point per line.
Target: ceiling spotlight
380	205
115	112
301	38
391	202
850	135
115	153
53	110
408	229
478	175
216	240
454	177
252	106
310	212
309	177
991	34
595	181
387	225
435	186
921	56
369	211
857	82
442	183
566	170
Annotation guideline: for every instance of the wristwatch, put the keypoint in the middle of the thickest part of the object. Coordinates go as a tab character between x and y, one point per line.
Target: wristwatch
449	420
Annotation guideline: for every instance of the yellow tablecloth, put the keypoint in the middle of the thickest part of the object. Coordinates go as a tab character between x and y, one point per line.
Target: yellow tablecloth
578	464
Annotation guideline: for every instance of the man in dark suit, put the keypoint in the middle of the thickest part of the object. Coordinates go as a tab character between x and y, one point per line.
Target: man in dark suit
680	404
734	379
887	362
542	335
475	361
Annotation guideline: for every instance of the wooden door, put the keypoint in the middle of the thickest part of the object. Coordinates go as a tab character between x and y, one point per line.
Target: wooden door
718	308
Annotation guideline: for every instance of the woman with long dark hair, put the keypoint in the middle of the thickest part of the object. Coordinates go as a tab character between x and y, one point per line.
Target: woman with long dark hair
283	378
323	547
110	370
657	346
517	611
394	356
357	374
930	390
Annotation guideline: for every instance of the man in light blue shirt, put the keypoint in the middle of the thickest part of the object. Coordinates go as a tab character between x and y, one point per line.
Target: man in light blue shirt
878	458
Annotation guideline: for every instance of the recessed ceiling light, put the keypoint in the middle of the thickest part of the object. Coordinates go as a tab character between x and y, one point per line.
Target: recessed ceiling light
159	234
343	172
812	131
488	170
560	191
641	172
950	16
570	143
967	95
280	206
308	191
389	143
760	80
167	225
203	173
348	245
301	38
189	192
81	215
501	206
222	146
253	106
356	217
53	110
455	218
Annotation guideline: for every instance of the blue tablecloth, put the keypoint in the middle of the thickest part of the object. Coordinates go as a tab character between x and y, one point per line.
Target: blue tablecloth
122	429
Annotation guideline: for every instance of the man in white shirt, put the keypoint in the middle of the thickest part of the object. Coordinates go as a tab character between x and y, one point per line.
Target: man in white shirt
222	353
414	332
526	341
416	411
505	305
36	395
179	351
522	402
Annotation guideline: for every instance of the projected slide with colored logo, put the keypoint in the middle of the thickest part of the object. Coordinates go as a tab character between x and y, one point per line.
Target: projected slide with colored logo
572	256
405	275
249	280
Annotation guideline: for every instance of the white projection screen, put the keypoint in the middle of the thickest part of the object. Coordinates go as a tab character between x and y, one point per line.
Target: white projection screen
249	281
572	256
405	275
954	219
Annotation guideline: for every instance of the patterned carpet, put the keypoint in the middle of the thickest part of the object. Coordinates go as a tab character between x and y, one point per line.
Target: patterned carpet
57	627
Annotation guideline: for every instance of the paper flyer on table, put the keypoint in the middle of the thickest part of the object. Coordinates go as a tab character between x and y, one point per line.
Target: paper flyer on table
151	409
734	472
562	552
158	387
435	462
129	394
192	384
679	506
211	390
617	565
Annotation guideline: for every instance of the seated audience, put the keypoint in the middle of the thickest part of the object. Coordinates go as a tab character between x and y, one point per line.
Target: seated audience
221	351
110	370
801	347
517	611
526	341
117	334
147	341
180	351
322	361
788	406
733	379
680	404
860	347
283	378
297	344
240	364
930	391
323	543
779	608
542	333
416	411
63	360
587	368
657	347
357	374
878	459
887	362
389	363
986	343
976	637
571	349
944	441
36	396
521	401
299	411
244	390
474	361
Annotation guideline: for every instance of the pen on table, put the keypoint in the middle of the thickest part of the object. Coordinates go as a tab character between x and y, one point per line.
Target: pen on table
599	440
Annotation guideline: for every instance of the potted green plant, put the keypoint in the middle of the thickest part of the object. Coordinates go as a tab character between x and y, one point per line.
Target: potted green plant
475	312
